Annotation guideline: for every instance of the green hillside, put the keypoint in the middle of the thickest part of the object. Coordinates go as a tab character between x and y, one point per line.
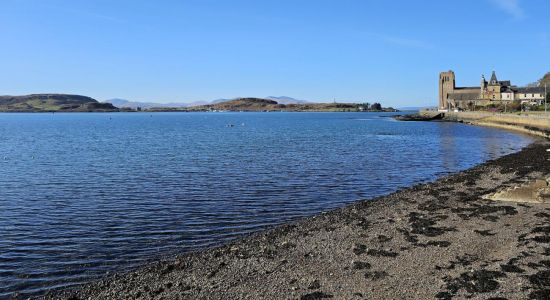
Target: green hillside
52	103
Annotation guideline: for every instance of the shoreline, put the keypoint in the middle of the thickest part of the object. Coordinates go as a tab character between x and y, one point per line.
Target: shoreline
536	124
431	241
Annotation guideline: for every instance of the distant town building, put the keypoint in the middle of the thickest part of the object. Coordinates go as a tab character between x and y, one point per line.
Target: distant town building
488	92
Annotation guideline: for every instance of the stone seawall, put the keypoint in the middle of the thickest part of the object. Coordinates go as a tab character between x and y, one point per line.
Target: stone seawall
531	123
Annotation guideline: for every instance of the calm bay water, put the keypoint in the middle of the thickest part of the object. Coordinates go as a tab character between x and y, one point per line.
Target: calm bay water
85	194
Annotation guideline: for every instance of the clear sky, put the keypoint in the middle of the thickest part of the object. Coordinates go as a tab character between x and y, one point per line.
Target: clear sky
184	51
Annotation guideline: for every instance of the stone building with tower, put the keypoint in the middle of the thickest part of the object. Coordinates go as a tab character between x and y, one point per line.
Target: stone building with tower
488	92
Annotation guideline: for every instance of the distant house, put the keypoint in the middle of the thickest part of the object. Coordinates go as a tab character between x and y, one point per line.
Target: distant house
530	94
488	92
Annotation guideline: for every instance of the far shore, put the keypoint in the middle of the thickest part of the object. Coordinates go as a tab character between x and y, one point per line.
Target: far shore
440	240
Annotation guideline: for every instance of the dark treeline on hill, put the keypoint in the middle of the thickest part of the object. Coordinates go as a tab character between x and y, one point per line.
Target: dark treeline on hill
259	104
53	103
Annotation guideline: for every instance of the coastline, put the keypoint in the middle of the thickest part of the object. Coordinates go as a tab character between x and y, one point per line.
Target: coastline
530	123
537	124
437	240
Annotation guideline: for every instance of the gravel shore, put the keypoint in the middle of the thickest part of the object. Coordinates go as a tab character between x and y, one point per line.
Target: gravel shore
432	241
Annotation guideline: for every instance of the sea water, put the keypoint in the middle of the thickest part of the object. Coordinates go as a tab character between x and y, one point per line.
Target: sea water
83	194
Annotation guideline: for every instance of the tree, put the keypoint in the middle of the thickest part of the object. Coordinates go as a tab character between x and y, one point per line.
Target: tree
376	106
545	80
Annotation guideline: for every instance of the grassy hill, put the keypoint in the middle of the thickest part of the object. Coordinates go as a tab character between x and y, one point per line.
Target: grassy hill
258	104
52	103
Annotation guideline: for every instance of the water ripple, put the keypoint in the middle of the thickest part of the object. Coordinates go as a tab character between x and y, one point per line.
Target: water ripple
86	194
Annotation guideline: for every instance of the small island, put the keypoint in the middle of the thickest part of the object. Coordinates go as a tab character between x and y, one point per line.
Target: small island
267	105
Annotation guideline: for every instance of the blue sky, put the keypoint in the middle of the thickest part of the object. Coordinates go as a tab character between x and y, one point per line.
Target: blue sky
183	51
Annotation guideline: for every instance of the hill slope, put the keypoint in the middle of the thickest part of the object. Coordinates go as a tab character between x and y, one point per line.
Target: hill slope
244	104
51	103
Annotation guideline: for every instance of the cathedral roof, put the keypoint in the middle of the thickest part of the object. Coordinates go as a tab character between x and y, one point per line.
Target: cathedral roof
493	77
464	96
467	88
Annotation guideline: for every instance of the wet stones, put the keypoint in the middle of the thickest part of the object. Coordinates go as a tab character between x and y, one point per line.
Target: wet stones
540	279
541	285
360	265
543	215
542	234
316	296
376	275
509	268
424	225
541	229
383	238
215	271
484	232
411	238
539	234
363	224
359	249
379	253
463	261
486	212
540	294
542	239
167	269
314	285
431	206
540	264
480	281
440	244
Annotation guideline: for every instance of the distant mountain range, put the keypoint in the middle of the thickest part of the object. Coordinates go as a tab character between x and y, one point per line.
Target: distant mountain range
286	100
123	103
